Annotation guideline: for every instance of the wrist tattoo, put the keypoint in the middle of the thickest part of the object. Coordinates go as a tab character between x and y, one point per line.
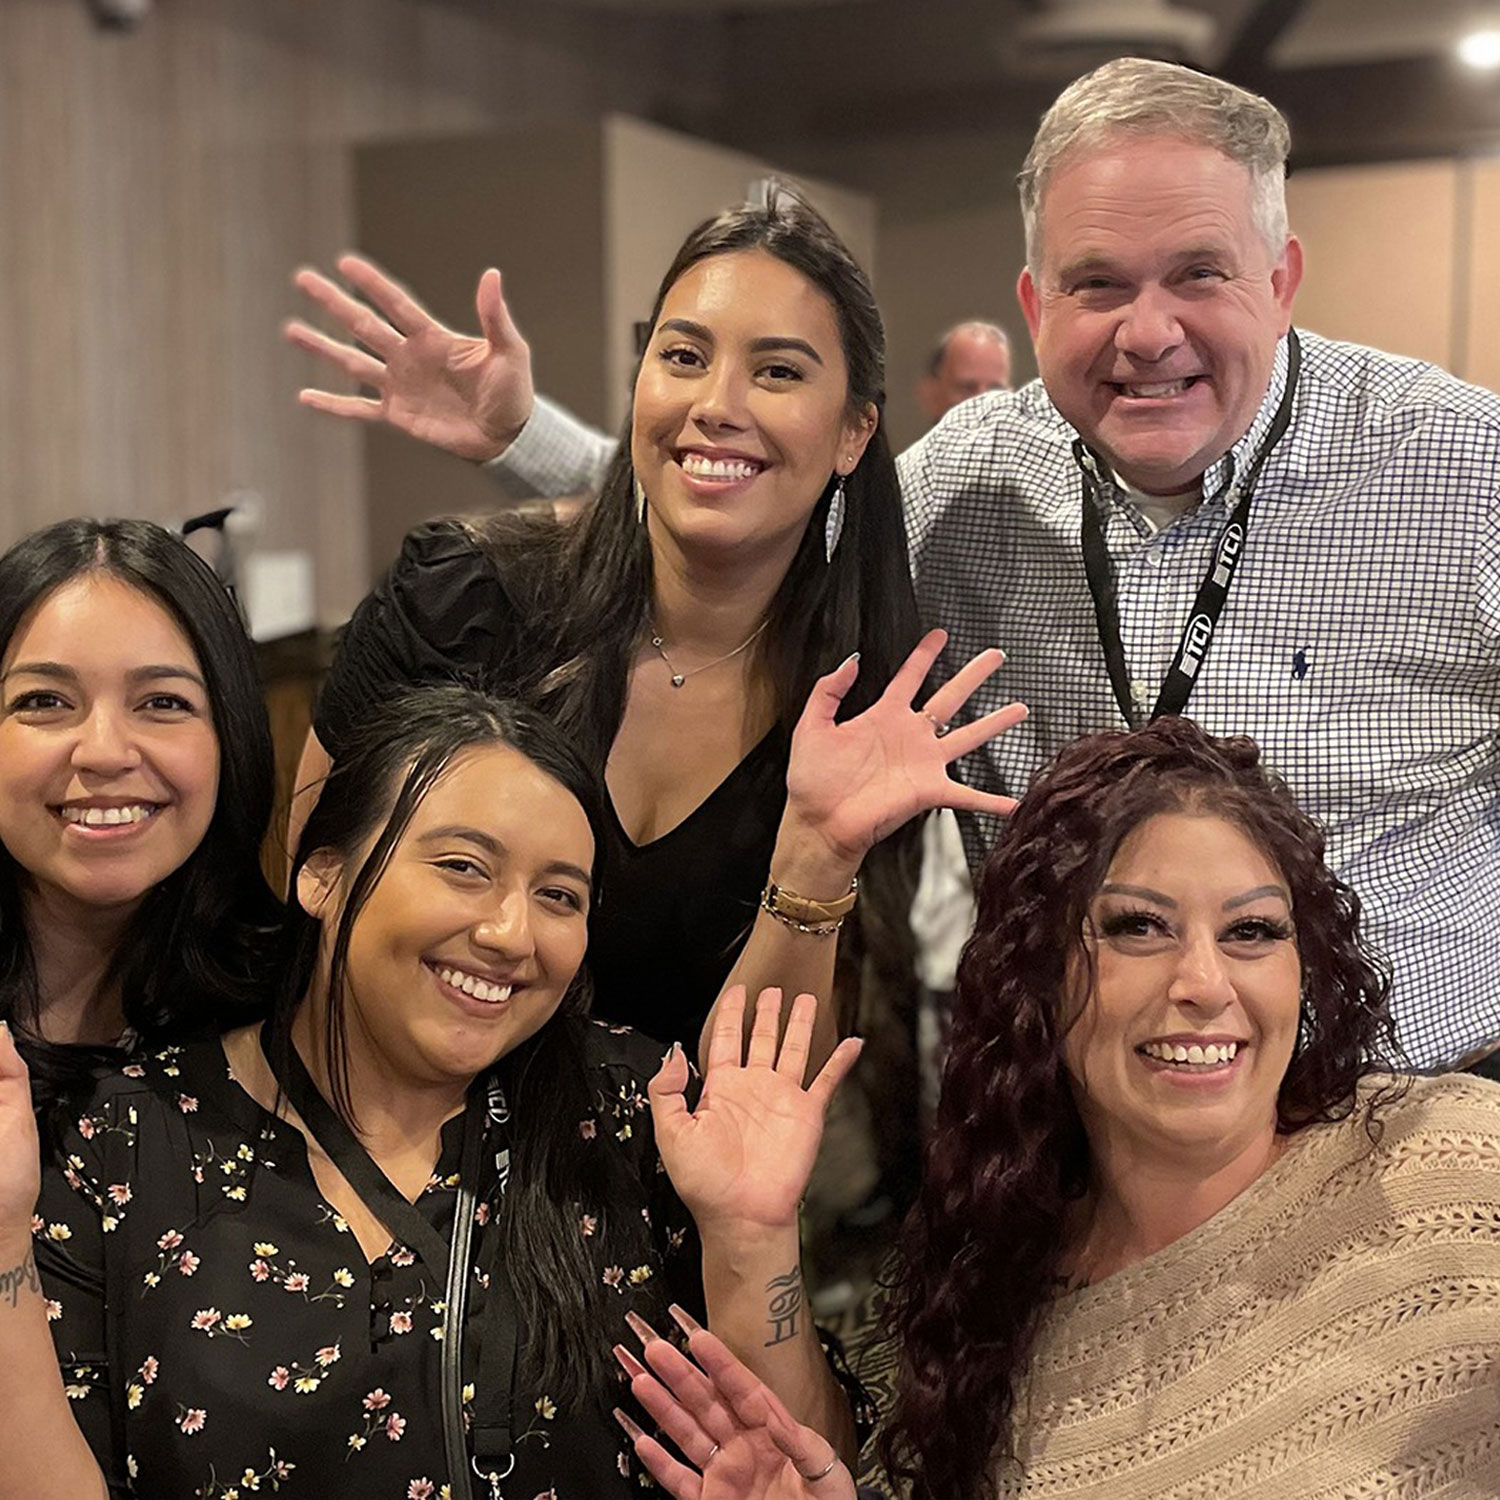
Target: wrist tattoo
784	1307
18	1279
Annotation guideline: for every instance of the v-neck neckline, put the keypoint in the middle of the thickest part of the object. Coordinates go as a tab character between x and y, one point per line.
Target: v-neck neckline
753	755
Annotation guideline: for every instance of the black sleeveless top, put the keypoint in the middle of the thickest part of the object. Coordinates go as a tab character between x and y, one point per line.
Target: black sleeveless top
671	916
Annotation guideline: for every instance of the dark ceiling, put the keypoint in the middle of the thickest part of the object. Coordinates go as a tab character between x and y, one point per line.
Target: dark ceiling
1361	80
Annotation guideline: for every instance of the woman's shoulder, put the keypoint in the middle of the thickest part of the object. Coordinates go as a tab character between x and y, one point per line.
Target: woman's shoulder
175	1079
507	554
617	1053
1436	1121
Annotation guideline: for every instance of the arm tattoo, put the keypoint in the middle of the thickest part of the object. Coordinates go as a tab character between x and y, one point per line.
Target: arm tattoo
19	1278
785	1305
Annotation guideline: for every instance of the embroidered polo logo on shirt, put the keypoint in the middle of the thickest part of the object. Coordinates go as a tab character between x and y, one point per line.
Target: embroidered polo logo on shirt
1299	663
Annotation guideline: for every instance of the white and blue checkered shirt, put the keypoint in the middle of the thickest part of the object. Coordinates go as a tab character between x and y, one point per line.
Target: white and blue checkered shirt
1360	644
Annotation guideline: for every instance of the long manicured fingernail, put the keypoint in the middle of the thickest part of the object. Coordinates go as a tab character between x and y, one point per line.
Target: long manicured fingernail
629	1363
685	1320
641	1328
631	1430
852	656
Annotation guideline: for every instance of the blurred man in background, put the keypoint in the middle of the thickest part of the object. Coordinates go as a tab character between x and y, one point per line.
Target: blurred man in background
970	359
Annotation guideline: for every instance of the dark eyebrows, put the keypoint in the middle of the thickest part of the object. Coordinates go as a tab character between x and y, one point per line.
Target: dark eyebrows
800	346
1141	892
757	346
59	672
1145	893
493	847
687	326
1260	891
53	669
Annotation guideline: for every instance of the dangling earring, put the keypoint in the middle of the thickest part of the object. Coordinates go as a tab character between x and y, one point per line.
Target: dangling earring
640	502
833	527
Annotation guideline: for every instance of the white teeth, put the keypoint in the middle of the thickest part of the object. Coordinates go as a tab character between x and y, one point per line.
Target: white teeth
480	989
702	467
1212	1055
107	817
1153	392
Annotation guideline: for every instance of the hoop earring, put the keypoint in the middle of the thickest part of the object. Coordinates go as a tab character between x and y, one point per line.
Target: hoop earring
833	527
640	502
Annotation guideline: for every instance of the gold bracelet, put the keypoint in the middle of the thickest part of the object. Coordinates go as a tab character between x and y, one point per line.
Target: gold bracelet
818	918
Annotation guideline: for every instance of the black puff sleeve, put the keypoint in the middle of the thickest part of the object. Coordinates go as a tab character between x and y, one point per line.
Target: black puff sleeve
441	612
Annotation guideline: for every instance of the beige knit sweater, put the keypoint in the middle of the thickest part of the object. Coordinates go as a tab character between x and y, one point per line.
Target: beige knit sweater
1333	1332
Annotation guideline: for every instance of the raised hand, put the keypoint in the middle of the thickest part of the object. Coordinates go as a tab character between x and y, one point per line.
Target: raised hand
741	1443
855	782
742	1158
20	1151
469	396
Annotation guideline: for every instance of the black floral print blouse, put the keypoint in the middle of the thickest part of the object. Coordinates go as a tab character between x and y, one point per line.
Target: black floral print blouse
250	1349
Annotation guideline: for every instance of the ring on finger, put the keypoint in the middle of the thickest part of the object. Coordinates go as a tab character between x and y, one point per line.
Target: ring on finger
822	1473
939	726
709	1457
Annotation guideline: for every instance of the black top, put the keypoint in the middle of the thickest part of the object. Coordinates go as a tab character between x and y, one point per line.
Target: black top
673	914
251	1348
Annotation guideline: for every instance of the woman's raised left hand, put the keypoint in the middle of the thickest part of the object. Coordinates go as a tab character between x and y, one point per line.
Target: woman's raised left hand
854	782
741	1160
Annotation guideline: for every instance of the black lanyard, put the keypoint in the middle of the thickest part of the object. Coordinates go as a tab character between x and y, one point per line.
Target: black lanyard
1203	620
495	1385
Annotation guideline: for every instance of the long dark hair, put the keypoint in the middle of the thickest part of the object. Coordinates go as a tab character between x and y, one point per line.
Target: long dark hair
194	954
1009	1157
385	766
861	601
591	582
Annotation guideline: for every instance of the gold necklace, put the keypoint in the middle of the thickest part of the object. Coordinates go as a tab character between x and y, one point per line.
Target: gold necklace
678	678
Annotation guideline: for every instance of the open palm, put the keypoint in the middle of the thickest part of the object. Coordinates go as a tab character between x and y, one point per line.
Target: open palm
469	396
743	1156
857	781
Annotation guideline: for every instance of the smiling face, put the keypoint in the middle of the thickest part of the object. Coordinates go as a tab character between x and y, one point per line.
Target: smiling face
741	408
473	933
1157	306
109	763
1186	1035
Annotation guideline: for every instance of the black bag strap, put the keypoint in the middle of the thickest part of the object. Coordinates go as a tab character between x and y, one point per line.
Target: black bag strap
495	1385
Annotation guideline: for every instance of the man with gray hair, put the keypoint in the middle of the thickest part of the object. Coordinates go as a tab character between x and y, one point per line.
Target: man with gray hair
1195	509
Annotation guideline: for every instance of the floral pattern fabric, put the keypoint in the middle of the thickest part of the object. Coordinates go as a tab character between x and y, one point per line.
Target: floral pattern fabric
250	1348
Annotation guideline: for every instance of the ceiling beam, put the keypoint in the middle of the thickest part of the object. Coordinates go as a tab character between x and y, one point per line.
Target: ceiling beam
1247	54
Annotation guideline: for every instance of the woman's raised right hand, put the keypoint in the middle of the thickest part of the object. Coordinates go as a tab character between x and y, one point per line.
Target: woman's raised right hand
20	1150
468	396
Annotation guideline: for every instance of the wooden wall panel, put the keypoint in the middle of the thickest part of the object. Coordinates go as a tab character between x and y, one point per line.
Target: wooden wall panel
160	185
1480	286
1380	244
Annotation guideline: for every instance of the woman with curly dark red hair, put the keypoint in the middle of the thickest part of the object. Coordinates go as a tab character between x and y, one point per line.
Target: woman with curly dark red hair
1180	1234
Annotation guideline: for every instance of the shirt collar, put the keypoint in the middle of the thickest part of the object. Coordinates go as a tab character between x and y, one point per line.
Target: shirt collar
1219	475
